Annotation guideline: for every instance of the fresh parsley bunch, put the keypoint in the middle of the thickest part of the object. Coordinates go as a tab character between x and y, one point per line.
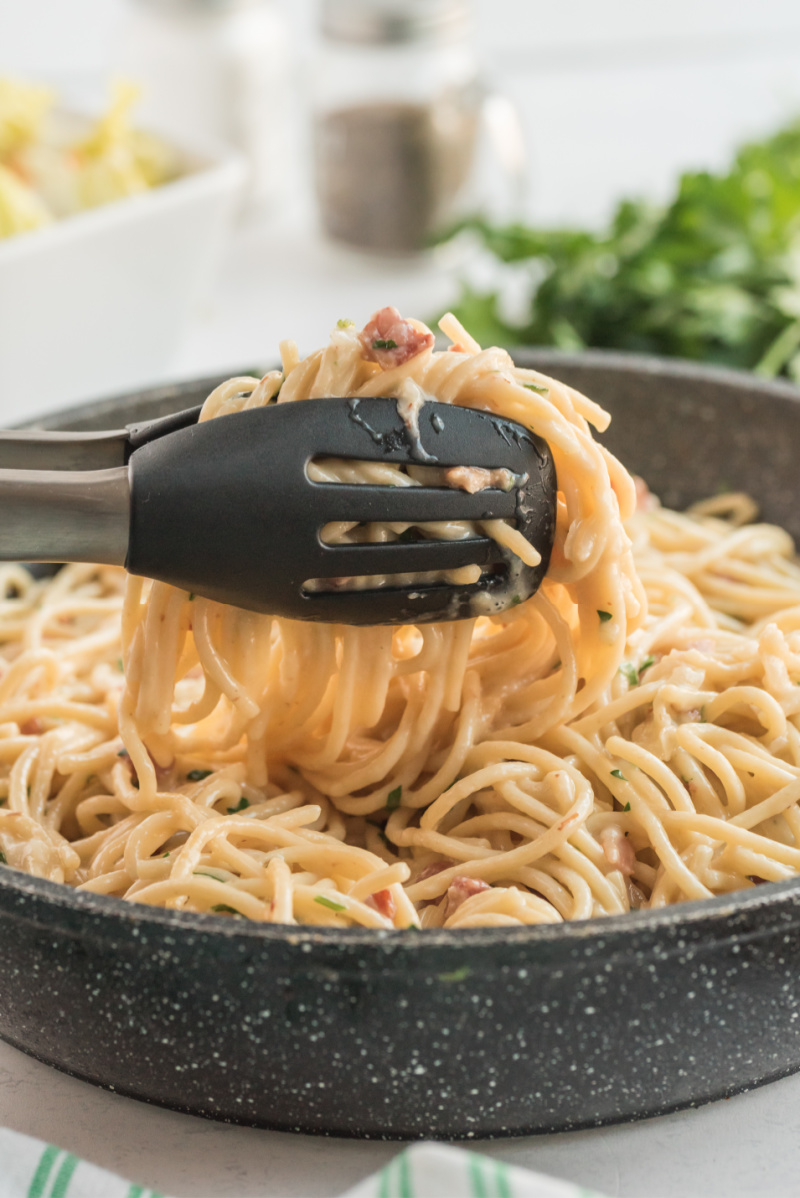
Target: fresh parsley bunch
714	275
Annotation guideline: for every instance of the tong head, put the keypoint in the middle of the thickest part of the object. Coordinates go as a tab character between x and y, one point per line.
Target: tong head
226	509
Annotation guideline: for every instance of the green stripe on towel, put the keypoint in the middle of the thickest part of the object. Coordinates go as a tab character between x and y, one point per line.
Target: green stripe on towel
477	1184
43	1169
64	1176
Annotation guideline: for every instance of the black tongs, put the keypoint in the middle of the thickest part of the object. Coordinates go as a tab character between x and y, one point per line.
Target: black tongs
225	509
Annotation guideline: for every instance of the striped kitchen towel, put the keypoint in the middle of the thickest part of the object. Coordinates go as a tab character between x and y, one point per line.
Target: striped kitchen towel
31	1169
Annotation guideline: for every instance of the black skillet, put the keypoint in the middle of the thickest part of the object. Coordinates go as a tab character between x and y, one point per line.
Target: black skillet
441	1034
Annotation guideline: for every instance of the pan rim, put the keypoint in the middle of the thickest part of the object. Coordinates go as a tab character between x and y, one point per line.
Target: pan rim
782	900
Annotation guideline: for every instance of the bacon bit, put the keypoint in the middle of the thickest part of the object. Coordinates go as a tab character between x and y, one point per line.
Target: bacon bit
429	871
456	348
383	902
645	500
618	850
459	890
475	478
390	340
31	727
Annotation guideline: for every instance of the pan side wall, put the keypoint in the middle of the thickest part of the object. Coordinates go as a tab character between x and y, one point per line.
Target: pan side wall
388	1041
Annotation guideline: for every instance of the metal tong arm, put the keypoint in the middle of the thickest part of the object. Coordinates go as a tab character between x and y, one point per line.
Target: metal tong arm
65	516
37	449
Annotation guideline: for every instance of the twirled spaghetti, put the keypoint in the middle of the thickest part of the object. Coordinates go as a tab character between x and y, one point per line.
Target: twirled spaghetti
629	737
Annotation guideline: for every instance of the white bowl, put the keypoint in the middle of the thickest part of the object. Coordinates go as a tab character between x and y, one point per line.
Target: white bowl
96	303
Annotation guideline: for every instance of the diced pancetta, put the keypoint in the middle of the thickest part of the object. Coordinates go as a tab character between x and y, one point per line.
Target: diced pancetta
390	340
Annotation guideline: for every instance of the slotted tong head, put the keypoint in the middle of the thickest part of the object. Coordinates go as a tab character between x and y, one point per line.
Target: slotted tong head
225	509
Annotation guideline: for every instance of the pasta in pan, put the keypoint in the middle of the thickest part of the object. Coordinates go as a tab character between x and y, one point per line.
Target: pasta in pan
627	738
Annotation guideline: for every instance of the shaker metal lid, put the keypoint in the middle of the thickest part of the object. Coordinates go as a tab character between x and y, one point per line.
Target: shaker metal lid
386	22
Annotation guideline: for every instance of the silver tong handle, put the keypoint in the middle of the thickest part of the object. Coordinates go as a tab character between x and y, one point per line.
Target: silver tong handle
65	515
38	449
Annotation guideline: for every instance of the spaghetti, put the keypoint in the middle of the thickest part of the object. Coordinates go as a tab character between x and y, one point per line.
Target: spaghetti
627	738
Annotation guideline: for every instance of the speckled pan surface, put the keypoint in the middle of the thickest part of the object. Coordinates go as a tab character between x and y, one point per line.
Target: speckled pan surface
483	1033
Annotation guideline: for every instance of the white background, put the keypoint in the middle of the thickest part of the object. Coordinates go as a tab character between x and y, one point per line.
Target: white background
617	95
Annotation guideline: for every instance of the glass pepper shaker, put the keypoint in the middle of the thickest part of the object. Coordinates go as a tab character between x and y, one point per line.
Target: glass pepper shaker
397	105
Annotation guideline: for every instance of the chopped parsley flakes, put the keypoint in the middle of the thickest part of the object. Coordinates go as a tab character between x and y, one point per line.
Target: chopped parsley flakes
605	616
382	344
618	774
331	904
634	673
627	807
198	775
535	387
344	323
224	907
628	669
393	801
242	805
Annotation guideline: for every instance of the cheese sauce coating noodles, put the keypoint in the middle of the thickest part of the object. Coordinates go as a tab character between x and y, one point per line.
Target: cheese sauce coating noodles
627	738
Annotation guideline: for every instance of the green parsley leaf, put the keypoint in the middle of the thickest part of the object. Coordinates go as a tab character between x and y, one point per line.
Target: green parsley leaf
201	873
120	666
378	826
627	807
605	616
515	599
535	387
198	775
344	323
331	904
393	801
628	669
413	927
381	344
710	274
618	774
191	596
456	975
226	908
3	858
703	712
242	805
164	856
646	664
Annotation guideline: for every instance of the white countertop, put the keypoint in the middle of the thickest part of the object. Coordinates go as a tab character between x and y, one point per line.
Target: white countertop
740	1148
